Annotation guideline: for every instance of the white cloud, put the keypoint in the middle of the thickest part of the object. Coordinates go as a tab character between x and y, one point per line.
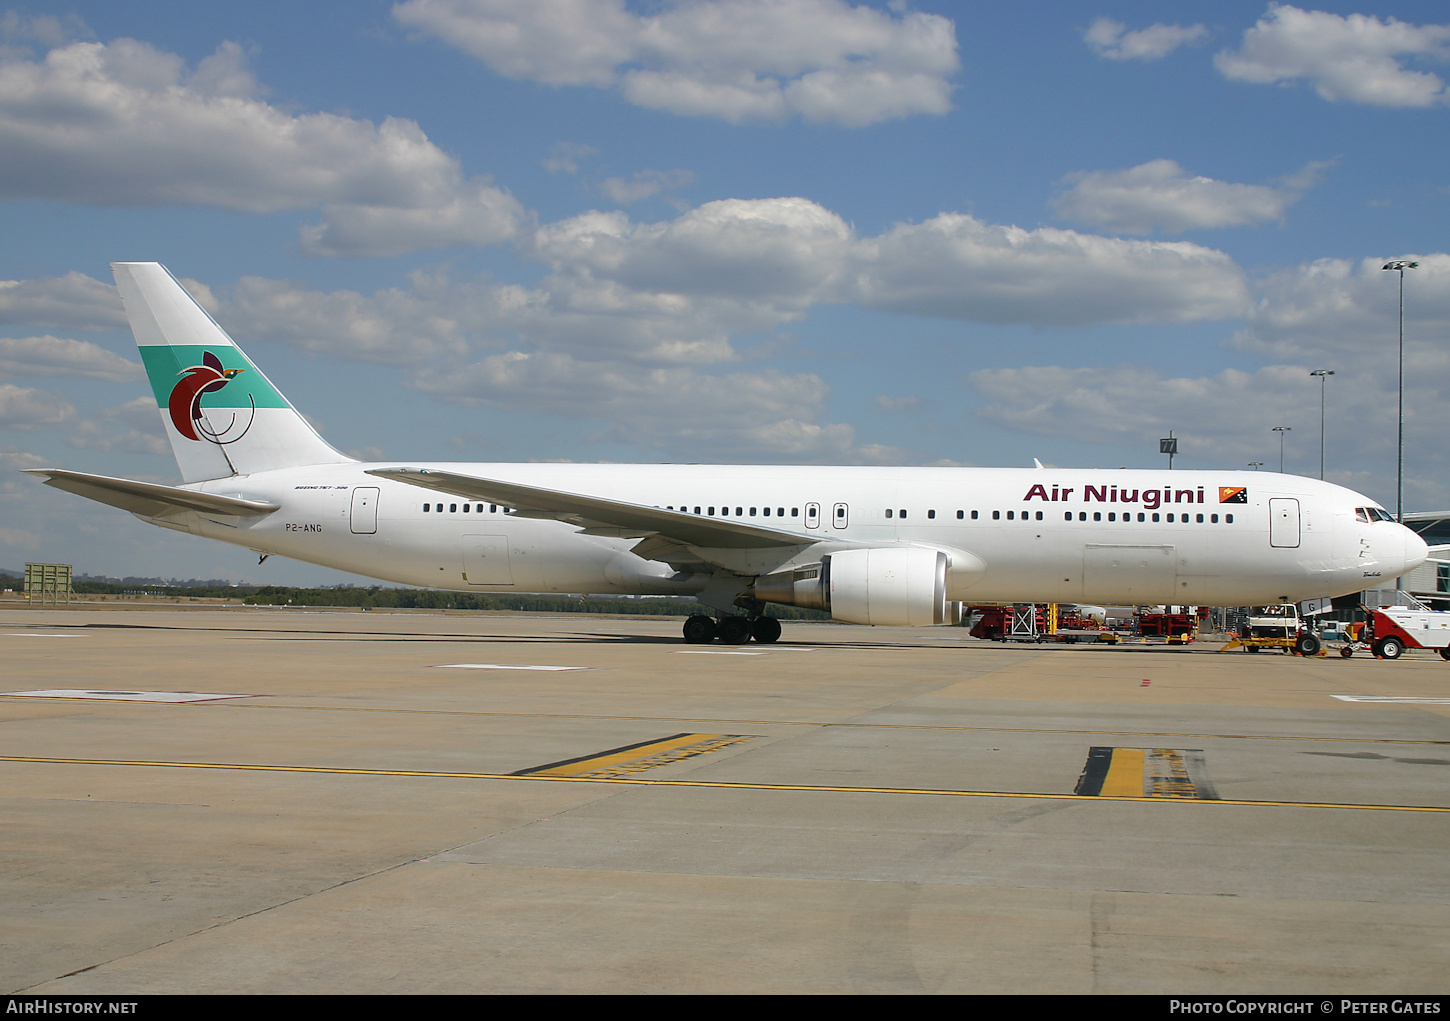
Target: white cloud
1357	58
739	60
1111	39
1340	308
58	356
1161	194
126	124
733	417
956	267
564	157
1333	314
393	326
134	427
28	409
73	301
645	184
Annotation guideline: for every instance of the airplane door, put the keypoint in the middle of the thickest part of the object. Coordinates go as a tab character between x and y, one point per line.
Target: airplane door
839	516
1284	523
365	510
813	515
486	560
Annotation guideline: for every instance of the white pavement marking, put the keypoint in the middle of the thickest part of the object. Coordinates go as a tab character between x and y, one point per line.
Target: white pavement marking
503	666
123	696
714	652
34	634
1401	699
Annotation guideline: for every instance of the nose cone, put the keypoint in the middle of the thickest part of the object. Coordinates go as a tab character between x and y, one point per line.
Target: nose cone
1416	551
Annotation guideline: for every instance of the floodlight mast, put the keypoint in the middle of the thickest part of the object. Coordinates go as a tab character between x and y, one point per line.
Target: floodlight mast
1400	265
1321	373
1281	430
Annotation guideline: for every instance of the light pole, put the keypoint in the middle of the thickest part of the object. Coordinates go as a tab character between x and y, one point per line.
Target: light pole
1321	373
1281	430
1401	266
1256	465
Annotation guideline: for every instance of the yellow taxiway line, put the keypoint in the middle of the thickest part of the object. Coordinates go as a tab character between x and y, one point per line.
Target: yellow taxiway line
638	781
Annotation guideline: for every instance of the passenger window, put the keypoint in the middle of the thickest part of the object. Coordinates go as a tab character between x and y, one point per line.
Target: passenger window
1097	515
1039	515
1010	516
425	508
1200	519
962	514
888	512
1141	516
1067	516
1228	519
996	515
1112	516
1213	519
974	515
1155	517
767	512
902	514
930	514
1082	515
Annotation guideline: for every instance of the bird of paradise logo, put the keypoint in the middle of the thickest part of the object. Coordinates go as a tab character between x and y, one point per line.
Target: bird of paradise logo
184	404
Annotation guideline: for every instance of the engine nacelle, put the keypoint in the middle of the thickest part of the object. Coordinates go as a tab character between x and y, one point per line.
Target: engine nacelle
895	586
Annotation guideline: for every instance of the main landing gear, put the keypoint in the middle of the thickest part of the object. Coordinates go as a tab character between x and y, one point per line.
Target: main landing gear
701	629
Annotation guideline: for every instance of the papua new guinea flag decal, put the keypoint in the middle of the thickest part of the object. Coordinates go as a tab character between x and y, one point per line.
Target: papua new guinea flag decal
184	404
1233	494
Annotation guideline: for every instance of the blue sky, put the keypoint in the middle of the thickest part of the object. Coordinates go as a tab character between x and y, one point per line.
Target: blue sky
761	231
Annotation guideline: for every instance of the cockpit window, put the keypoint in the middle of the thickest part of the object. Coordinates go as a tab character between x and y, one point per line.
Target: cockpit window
1373	514
1361	514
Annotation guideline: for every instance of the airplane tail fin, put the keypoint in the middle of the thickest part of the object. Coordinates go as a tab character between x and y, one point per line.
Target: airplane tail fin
221	414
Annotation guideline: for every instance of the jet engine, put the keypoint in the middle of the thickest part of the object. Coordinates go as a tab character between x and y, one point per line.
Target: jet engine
900	586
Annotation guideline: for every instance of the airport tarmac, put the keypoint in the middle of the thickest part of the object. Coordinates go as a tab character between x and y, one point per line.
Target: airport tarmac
369	802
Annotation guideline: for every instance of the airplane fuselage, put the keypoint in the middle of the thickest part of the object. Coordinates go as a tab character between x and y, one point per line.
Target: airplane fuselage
1126	536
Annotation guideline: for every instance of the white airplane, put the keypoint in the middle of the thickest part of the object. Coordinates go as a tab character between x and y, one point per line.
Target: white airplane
901	546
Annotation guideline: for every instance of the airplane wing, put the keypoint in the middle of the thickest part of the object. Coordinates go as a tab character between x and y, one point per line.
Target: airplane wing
598	516
147	498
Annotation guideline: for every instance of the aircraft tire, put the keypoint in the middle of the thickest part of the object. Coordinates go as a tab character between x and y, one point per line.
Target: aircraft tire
699	629
734	630
765	630
1306	645
1389	648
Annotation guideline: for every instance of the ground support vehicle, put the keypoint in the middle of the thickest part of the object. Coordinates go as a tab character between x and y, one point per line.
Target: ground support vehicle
1303	644
1276	627
1397	628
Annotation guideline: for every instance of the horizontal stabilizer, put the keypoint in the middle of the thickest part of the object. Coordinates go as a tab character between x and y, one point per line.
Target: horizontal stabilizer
147	498
596	514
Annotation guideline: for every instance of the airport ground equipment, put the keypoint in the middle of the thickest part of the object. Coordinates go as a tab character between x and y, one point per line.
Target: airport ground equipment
1038	622
48	583
1397	628
1276	627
